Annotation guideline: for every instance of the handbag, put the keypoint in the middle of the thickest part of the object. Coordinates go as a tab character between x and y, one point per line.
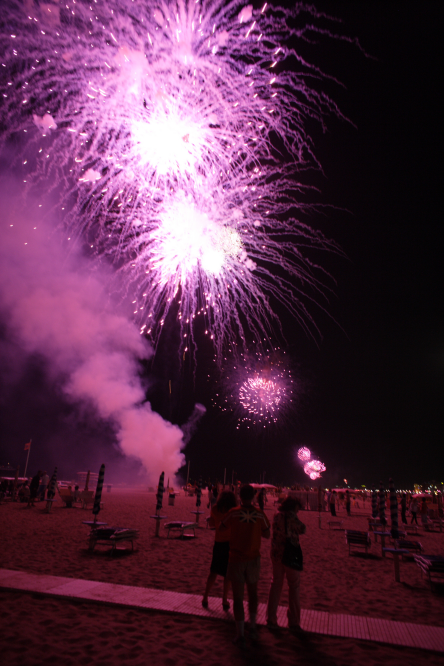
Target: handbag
292	556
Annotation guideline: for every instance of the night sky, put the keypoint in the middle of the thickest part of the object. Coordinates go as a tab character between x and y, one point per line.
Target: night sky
372	385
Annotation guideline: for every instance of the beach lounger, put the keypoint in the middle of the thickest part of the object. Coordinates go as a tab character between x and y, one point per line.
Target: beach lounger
414	547
180	526
112	536
438	522
433	568
86	497
429	526
67	497
357	539
374	524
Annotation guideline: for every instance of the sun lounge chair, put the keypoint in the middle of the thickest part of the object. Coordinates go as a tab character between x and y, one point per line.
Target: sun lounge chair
428	525
357	539
67	497
112	536
438	522
86	497
180	526
432	566
412	546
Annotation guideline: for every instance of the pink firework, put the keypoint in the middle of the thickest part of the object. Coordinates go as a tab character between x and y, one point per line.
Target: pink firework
175	135
304	453
314	468
259	389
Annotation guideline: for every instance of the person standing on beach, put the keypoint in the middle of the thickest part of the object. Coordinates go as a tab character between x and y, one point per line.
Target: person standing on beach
221	548
424	512
261	498
286	524
414	510
247	525
33	488
403	508
43	485
333	503
347	502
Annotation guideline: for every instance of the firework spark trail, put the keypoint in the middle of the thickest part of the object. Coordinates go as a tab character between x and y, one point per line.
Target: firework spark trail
173	136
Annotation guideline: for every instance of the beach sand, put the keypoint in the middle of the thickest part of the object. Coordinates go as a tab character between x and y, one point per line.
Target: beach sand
36	628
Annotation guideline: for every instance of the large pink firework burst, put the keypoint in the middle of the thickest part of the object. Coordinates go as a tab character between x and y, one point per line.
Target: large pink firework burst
172	137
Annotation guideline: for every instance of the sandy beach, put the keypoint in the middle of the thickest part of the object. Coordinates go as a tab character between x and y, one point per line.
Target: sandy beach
36	628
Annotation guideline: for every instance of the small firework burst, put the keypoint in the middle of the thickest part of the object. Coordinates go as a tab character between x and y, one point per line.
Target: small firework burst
304	453
259	389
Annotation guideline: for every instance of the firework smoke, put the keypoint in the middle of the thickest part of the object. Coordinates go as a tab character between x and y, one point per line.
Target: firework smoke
53	308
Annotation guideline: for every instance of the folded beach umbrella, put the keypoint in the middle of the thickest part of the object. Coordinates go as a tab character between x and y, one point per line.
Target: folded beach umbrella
199	492
52	485
160	491
51	490
393	510
382	517
98	495
374	503
87	480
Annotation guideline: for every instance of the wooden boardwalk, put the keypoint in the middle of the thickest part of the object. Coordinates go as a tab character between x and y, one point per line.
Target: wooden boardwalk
318	622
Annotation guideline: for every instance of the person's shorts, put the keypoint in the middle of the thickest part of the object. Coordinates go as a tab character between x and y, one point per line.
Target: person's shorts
219	563
244	572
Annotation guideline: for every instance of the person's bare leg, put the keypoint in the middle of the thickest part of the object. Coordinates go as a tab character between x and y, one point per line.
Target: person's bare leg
252	603
210	582
225	602
238	610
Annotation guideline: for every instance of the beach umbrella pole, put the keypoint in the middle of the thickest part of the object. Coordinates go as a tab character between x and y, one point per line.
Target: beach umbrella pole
160	490
394	512
51	491
98	494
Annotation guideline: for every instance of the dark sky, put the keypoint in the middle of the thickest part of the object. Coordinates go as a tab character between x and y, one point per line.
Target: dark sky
372	403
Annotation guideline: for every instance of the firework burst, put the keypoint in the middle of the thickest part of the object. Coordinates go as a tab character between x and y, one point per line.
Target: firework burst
304	453
172	136
259	389
314	469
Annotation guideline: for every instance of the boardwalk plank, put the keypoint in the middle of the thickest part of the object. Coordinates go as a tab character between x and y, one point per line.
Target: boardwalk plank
319	622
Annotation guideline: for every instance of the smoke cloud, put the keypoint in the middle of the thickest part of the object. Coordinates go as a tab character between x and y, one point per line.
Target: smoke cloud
53	306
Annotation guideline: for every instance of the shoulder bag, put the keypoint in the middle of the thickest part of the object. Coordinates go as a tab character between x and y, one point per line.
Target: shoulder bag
292	555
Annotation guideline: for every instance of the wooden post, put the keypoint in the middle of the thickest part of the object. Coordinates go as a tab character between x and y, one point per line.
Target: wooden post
396	566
